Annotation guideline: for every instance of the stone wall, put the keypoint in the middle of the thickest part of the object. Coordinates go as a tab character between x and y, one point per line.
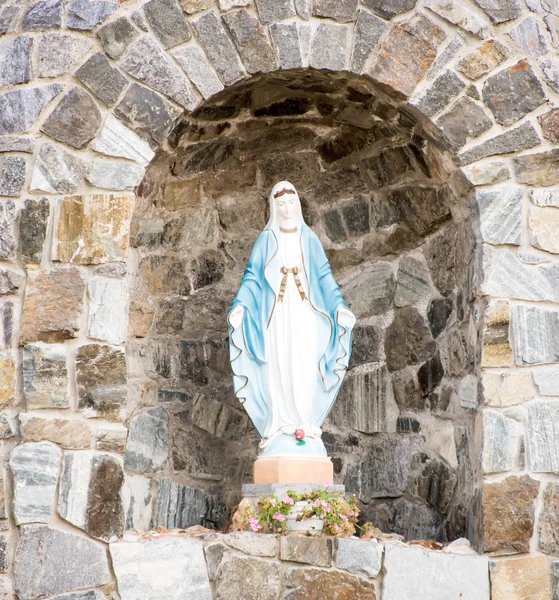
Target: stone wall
93	91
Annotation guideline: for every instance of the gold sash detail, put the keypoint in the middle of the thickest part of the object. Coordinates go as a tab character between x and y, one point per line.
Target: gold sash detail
283	284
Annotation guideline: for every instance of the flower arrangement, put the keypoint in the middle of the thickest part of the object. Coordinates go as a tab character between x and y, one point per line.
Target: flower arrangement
339	515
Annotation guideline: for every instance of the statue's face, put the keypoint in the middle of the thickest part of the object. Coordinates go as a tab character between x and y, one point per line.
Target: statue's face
286	206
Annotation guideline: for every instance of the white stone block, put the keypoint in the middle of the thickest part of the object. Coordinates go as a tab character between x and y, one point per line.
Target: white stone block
108	309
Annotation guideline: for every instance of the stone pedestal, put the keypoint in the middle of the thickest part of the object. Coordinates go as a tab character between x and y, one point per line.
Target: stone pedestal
254	491
292	470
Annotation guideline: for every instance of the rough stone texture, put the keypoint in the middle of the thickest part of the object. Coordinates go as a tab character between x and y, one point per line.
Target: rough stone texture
136	501
8	215
241	579
538	169
500	11
108	309
68	433
270	11
20	109
35	468
501	390
439	95
545	197
93	229
117	140
89	495
199	70
549	123
116	36
101	379
219	48
286	40
367	32
550	68
45	376
75	120
178	506
57	171
433	575
328	47
519	578
10	281
549	520
115	175
49	562
508	509
138	567
252	42
254	544
542	440
362	558
535	333
408	340
17	144
311	550
459	14
404	57
465	120
521	138
58	53
487	173
342	11
501	442
147	113
43	15
7	381
413	283
148	441
513	93
86	14
146	62
168	22
528	36
387	9
372	292
383	472
547	381
53	305
111	439
15	60
33	219
500	214
543	223
104	80
366	402
315	584
12	176
483	60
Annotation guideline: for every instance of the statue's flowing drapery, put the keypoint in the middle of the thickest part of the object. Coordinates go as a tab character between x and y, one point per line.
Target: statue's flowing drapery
285	350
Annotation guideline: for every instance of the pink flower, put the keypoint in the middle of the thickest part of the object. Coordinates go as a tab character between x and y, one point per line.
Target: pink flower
316	503
279	517
325	505
336	528
287	500
273	501
254	524
327	484
278	529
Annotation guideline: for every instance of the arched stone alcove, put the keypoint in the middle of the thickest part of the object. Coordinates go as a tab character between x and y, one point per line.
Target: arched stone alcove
382	190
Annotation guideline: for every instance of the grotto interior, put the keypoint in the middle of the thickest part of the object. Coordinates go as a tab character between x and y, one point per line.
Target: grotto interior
383	193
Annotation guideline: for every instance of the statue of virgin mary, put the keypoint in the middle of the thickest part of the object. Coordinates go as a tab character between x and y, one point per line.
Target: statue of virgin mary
289	333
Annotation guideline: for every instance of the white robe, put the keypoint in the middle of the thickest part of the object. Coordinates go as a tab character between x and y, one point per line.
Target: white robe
292	367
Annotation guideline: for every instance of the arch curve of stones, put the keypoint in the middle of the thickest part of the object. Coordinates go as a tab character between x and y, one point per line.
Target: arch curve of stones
93	91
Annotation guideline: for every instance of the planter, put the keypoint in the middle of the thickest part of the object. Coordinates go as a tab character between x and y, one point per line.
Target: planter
310	526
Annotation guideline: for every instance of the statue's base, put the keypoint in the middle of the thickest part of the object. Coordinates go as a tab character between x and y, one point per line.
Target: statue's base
282	469
254	491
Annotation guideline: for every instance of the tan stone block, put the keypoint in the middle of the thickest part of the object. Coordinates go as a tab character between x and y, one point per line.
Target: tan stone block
93	229
520	579
507	388
2	494
549	520
180	194
496	351
483	60
7	381
544	229
72	434
292	470
53	305
508	515
406	55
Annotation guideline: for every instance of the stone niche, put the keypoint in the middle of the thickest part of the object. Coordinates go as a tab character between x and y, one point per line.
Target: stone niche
384	195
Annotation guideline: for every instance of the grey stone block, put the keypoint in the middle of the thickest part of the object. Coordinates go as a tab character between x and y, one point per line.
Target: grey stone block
84	15
387	9
288	45
500	11
49	562
360	557
15	60
44	15
440	93
329	47
115	175
464	121
500	213
168	21
501	442
117	35
148	442
198	69
270	11
339	10
57	53
219	48
12	176
20	109
367	32
528	36
57	171
536	335
45	376
543	441
104	80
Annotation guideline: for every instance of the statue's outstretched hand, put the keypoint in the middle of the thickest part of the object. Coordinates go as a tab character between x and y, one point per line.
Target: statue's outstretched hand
346	318
236	316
